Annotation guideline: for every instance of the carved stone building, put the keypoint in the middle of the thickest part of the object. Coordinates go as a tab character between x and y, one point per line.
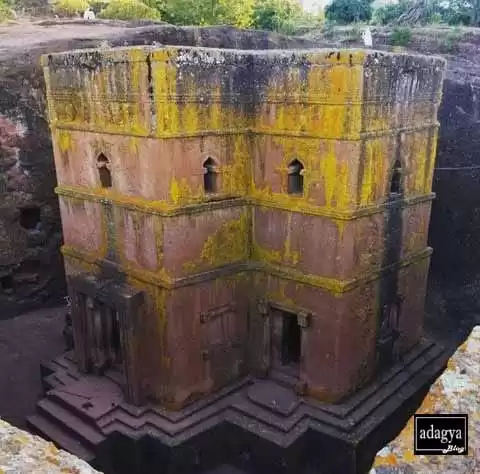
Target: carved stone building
238	223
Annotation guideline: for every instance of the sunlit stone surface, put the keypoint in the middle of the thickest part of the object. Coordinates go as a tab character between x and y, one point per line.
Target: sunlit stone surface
22	453
456	391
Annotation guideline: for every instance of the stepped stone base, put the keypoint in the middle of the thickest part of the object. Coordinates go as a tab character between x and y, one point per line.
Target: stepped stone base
254	425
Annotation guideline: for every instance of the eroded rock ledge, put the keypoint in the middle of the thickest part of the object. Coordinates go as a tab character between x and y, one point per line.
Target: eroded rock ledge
22	453
455	391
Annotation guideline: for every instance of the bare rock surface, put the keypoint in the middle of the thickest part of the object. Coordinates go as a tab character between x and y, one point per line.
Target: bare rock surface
22	453
455	391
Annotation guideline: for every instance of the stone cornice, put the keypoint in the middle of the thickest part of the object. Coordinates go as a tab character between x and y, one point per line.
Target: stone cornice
333	285
164	209
75	127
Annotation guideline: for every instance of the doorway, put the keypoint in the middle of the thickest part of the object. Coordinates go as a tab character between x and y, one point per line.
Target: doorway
291	350
286	341
104	346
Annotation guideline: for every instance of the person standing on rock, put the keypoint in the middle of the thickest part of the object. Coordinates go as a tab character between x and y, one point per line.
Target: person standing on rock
367	38
89	14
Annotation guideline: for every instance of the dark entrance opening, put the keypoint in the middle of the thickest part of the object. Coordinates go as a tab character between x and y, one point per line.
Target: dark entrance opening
396	179
29	217
291	340
6	283
104	337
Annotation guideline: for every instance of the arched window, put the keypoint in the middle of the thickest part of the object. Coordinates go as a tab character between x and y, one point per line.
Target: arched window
104	173
210	184
396	179
295	177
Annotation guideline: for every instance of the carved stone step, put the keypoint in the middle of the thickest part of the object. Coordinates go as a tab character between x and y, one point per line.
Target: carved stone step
88	435
39	425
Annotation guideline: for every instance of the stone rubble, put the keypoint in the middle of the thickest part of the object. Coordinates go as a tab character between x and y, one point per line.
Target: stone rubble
22	453
456	391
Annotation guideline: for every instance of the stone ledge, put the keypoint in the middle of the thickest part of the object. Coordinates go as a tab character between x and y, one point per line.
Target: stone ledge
22	453
455	391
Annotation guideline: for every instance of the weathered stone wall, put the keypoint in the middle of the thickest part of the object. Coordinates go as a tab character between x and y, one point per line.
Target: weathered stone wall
455	231
157	114
30	267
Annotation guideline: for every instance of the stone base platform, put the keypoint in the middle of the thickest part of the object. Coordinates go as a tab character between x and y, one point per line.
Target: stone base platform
254	426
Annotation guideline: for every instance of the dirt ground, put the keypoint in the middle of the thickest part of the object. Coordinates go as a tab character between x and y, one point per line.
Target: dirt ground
26	35
24	342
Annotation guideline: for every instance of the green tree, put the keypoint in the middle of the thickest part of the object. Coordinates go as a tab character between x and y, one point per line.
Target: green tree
208	12
386	14
236	13
416	12
461	12
6	13
129	10
70	7
275	15
349	11
188	12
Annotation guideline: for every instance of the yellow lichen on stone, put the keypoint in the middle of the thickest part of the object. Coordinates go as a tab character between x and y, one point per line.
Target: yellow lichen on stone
280	296
22	453
263	255
98	100
229	244
64	140
286	256
180	191
236	176
419	148
332	83
290	256
374	171
431	160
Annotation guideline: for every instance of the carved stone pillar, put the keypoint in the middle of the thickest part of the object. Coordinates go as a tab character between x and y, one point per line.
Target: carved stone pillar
303	320
126	302
264	311
77	309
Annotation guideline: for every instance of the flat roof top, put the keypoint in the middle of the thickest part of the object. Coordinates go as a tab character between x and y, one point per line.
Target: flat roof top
328	52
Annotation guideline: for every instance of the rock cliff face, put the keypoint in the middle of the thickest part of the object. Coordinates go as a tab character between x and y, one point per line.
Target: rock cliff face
455	220
31	269
30	231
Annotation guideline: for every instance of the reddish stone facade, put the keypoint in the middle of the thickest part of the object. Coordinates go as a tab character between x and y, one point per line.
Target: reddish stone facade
230	212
